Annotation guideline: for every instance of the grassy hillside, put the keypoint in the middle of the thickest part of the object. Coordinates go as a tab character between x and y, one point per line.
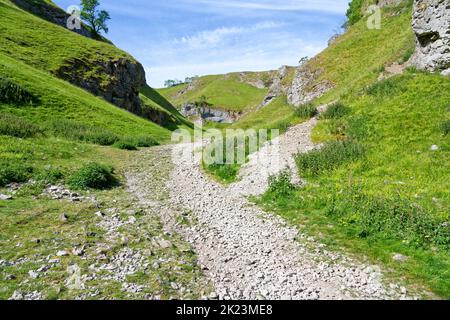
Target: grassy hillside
225	92
52	132
380	185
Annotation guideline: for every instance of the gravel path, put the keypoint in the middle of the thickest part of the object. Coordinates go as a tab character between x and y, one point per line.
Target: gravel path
250	254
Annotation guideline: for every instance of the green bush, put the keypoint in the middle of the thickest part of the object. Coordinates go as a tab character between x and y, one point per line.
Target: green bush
11	172
125	145
73	130
281	185
307	110
388	218
14	126
354	12
335	111
93	175
11	92
331	156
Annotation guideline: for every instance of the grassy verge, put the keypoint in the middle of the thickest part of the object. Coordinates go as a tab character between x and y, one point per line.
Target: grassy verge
394	197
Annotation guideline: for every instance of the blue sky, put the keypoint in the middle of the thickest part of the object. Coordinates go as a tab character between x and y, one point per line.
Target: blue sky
180	38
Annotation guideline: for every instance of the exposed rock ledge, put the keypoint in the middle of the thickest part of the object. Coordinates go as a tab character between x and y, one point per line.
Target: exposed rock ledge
116	80
431	24
210	114
305	86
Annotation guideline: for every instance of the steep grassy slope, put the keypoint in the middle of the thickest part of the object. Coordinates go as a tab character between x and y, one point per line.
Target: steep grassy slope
45	45
393	197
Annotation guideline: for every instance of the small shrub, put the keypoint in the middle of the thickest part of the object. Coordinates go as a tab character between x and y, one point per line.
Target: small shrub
10	172
14	126
281	185
125	145
332	155
307	110
354	11
11	92
93	175
335	111
445	127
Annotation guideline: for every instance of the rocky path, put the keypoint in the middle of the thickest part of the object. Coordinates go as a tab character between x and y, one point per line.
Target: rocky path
247	253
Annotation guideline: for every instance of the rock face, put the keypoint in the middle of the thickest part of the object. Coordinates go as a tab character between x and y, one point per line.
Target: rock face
431	24
209	114
305	86
116	80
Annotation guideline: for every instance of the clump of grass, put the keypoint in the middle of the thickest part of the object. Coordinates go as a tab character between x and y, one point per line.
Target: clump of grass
14	126
281	185
11	92
49	176
307	110
331	156
445	127
142	141
125	145
407	55
93	175
384	88
226	173
73	130
335	111
388	218
13	172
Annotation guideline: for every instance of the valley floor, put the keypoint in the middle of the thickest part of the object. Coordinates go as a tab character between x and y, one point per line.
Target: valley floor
245	252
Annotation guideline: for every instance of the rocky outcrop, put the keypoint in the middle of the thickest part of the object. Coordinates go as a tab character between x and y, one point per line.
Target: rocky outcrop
116	80
277	87
431	24
209	114
306	86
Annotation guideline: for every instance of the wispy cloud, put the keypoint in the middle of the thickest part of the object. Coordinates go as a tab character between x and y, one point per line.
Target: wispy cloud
337	6
219	36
